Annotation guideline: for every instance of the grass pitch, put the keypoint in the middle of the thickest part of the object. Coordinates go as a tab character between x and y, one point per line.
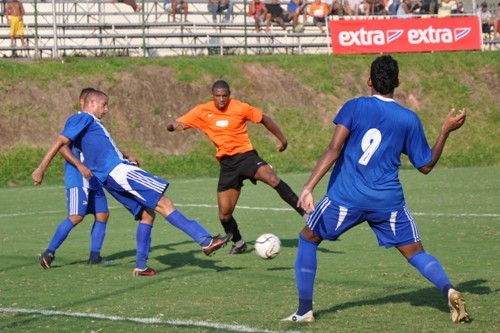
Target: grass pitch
359	287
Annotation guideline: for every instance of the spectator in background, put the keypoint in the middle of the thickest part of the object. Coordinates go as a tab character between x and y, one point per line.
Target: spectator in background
458	9
334	7
15	13
257	12
497	30
356	7
488	20
137	8
275	13
318	10
174	7
393	6
219	6
299	7
445	7
408	8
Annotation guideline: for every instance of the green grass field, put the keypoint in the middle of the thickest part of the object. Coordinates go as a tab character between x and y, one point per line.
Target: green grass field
359	288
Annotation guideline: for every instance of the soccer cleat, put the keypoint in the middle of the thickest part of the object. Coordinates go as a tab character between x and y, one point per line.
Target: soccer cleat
100	261
216	243
238	249
458	311
45	259
148	271
308	317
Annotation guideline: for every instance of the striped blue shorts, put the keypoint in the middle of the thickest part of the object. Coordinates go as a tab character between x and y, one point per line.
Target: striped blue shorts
135	188
392	228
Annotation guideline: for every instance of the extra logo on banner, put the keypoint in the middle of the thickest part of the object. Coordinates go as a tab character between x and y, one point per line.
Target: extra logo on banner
405	35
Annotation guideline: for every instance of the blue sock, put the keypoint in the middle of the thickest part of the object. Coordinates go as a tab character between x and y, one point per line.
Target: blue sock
96	239
305	272
143	244
431	269
192	228
60	235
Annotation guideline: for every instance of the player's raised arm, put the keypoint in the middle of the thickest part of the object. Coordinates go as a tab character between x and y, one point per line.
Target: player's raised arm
451	122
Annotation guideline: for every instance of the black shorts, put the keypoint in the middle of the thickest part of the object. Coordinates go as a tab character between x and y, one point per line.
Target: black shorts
235	169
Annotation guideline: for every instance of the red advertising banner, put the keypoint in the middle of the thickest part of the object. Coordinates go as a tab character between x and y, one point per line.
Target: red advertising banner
405	35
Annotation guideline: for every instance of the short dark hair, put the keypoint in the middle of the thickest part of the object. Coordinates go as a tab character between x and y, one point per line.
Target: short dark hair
94	93
220	84
85	92
384	74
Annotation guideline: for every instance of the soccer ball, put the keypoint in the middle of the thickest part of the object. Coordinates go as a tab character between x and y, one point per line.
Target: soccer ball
267	246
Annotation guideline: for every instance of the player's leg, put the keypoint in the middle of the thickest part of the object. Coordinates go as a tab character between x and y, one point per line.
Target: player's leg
431	269
398	229
141	191
209	244
98	205
266	174
226	201
143	244
327	221
76	202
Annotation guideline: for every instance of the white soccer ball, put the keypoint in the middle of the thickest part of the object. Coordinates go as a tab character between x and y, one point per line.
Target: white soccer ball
267	246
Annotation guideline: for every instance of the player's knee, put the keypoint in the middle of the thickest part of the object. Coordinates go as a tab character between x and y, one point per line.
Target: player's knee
75	219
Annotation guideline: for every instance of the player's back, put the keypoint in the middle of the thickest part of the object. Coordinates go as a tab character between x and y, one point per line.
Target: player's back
366	174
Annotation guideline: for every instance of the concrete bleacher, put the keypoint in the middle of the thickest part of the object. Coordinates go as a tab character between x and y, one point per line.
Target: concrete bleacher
102	27
72	27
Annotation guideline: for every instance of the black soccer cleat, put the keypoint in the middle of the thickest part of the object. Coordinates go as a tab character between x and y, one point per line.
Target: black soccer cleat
45	259
216	243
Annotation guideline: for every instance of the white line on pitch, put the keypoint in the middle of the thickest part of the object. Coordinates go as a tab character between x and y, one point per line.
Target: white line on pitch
156	321
256	208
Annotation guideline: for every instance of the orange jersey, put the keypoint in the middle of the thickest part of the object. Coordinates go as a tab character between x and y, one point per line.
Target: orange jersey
227	129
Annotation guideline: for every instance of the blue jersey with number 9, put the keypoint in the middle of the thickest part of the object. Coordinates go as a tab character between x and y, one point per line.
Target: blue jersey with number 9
365	175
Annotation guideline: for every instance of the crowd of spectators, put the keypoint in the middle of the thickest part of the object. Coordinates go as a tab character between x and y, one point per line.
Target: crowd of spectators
295	13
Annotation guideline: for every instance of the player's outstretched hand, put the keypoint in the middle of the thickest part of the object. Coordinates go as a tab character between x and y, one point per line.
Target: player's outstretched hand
453	121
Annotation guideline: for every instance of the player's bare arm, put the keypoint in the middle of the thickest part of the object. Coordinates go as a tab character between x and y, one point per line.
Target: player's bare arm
324	164
68	156
274	128
37	175
451	122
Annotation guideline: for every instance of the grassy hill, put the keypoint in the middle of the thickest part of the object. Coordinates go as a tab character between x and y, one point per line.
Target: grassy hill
301	93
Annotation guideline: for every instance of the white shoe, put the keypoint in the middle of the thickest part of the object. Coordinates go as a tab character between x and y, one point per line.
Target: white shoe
306	318
458	311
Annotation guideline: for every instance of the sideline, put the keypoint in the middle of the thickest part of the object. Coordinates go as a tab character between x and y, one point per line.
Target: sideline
252	208
156	321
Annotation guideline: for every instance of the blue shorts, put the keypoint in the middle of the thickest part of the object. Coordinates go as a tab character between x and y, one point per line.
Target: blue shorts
82	201
392	228
135	188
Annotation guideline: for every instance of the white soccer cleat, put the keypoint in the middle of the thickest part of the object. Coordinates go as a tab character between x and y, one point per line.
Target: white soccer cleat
308	317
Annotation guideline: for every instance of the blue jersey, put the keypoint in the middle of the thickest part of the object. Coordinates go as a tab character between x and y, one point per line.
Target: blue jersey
365	176
88	135
73	177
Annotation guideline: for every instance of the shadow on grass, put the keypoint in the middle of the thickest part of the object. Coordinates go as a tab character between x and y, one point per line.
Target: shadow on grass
429	297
